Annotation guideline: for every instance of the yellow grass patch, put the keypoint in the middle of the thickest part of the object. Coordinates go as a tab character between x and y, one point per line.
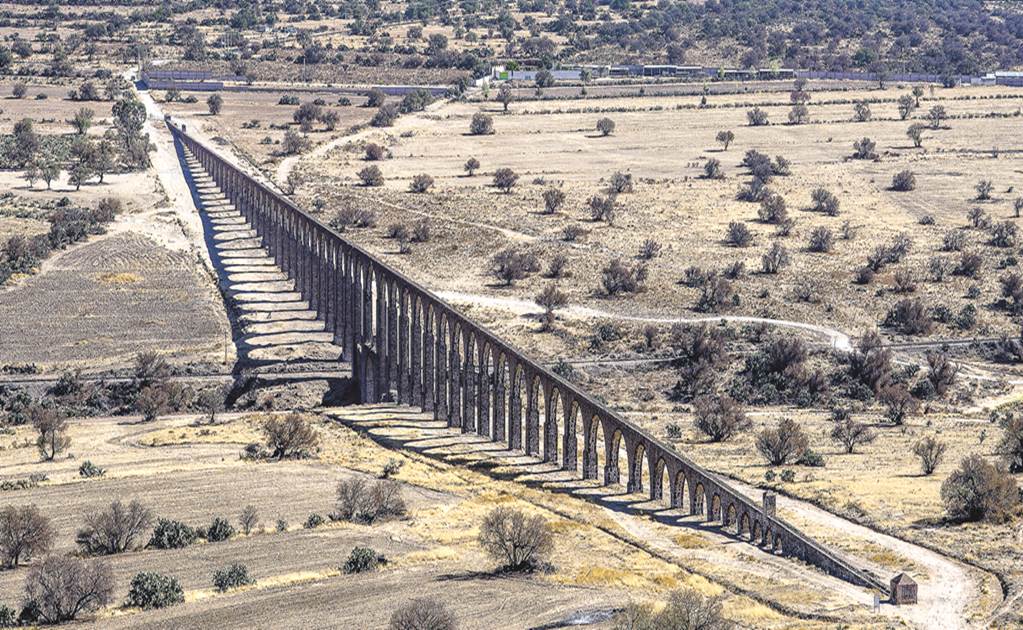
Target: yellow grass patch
437	554
120	278
687	540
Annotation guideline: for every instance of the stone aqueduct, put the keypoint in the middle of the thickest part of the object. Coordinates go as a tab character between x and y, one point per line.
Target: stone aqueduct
406	345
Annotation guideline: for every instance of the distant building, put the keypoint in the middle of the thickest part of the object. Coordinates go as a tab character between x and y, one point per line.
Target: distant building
903	590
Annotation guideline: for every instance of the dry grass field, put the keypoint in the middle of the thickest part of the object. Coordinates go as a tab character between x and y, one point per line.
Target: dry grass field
93	307
193	472
664	149
180	274
244	108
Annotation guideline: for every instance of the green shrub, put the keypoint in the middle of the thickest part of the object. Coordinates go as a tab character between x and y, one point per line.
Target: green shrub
219	530
362	559
152	590
812	458
788	476
232	577
88	469
8	618
170	534
314	521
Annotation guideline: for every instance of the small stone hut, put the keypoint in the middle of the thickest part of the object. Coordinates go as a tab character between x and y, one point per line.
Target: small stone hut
903	590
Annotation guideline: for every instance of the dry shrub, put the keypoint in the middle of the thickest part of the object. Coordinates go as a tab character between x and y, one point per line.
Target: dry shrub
63	587
422	614
980	490
519	541
290	436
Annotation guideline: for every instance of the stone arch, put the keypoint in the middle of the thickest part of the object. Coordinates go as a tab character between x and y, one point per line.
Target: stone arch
486	377
516	407
535	409
573	440
745	528
777	545
552	412
757	533
730	516
502	387
660	480
612	470
456	356
698	498
637	457
681	493
468	381
714	507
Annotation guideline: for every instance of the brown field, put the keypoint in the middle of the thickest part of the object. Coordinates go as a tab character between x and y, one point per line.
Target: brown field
664	150
192	473
243	107
50	114
93	306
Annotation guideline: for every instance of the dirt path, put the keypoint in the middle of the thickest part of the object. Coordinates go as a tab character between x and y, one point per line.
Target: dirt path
946	594
947	591
837	339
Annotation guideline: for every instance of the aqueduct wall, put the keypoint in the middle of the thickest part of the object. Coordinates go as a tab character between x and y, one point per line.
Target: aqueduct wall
408	346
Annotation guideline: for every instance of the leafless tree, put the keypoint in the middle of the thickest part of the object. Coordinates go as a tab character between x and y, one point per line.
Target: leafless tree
51	425
116	529
505	96
505	179
726	138
931	452
941	372
248	519
63	587
25	532
898	402
509	265
550	300
553	199
850	433
719	417
785	443
1011	444
515	539
688	609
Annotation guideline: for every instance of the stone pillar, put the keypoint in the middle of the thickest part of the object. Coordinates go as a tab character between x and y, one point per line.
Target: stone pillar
570	447
514	410
367	305
454	380
532	418
468	389
589	448
483	387
500	402
429	347
440	410
393	359
550	431
404	371
611	474
416	353
383	338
